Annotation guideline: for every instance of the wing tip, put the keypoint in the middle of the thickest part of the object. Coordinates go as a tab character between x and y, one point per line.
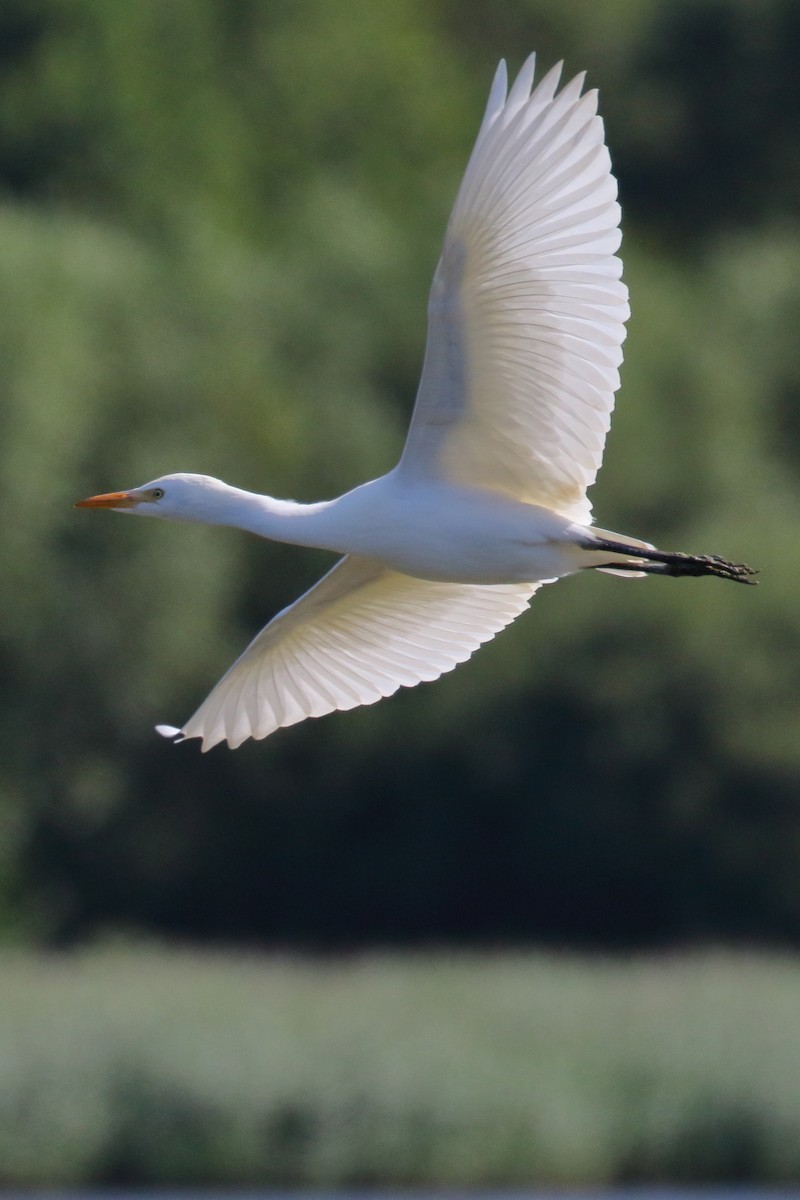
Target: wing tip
171	732
497	96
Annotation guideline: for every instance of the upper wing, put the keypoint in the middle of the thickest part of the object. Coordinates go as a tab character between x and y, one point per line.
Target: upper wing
357	635
527	310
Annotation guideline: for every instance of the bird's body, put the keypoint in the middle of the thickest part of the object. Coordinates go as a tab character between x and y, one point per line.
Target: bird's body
464	535
489	499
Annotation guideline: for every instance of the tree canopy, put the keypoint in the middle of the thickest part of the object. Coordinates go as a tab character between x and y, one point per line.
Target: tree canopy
218	224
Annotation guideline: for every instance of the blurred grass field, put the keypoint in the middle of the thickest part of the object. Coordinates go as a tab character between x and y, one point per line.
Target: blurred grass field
154	1065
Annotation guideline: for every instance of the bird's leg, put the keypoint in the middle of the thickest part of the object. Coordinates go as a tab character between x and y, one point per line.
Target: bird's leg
663	562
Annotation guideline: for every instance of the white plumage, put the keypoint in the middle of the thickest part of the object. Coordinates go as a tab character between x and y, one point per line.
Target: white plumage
527	298
354	638
525	328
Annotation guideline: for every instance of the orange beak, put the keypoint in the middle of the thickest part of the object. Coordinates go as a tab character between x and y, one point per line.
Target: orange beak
109	500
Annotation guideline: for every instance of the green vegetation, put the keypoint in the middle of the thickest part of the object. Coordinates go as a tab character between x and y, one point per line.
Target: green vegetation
218	222
148	1066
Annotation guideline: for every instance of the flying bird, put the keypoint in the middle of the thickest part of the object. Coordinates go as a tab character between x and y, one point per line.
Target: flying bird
488	501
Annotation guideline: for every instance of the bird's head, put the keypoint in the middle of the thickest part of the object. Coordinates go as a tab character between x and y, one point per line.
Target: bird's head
179	497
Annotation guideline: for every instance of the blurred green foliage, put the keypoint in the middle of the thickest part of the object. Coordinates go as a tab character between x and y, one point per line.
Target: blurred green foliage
217	227
139	1067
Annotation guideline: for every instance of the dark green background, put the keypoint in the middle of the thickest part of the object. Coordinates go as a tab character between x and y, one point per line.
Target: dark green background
218	222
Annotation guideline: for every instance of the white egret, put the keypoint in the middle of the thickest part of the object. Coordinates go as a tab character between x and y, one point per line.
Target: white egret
488	501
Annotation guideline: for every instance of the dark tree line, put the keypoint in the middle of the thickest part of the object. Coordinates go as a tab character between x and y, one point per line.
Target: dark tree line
218	225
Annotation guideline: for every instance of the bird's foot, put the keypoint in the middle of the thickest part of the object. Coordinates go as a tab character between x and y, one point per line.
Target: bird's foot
699	564
663	563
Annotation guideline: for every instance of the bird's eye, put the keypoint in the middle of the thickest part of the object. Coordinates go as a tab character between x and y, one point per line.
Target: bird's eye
157	493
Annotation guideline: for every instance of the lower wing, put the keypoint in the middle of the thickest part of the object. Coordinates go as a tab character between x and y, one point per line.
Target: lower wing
359	634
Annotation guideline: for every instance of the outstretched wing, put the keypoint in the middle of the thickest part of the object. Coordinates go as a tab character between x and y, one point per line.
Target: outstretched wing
527	310
359	634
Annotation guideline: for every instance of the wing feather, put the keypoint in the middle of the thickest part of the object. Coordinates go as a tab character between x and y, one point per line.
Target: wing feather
359	634
527	310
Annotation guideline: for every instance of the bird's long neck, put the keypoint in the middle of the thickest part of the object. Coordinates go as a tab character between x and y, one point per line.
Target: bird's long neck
280	520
